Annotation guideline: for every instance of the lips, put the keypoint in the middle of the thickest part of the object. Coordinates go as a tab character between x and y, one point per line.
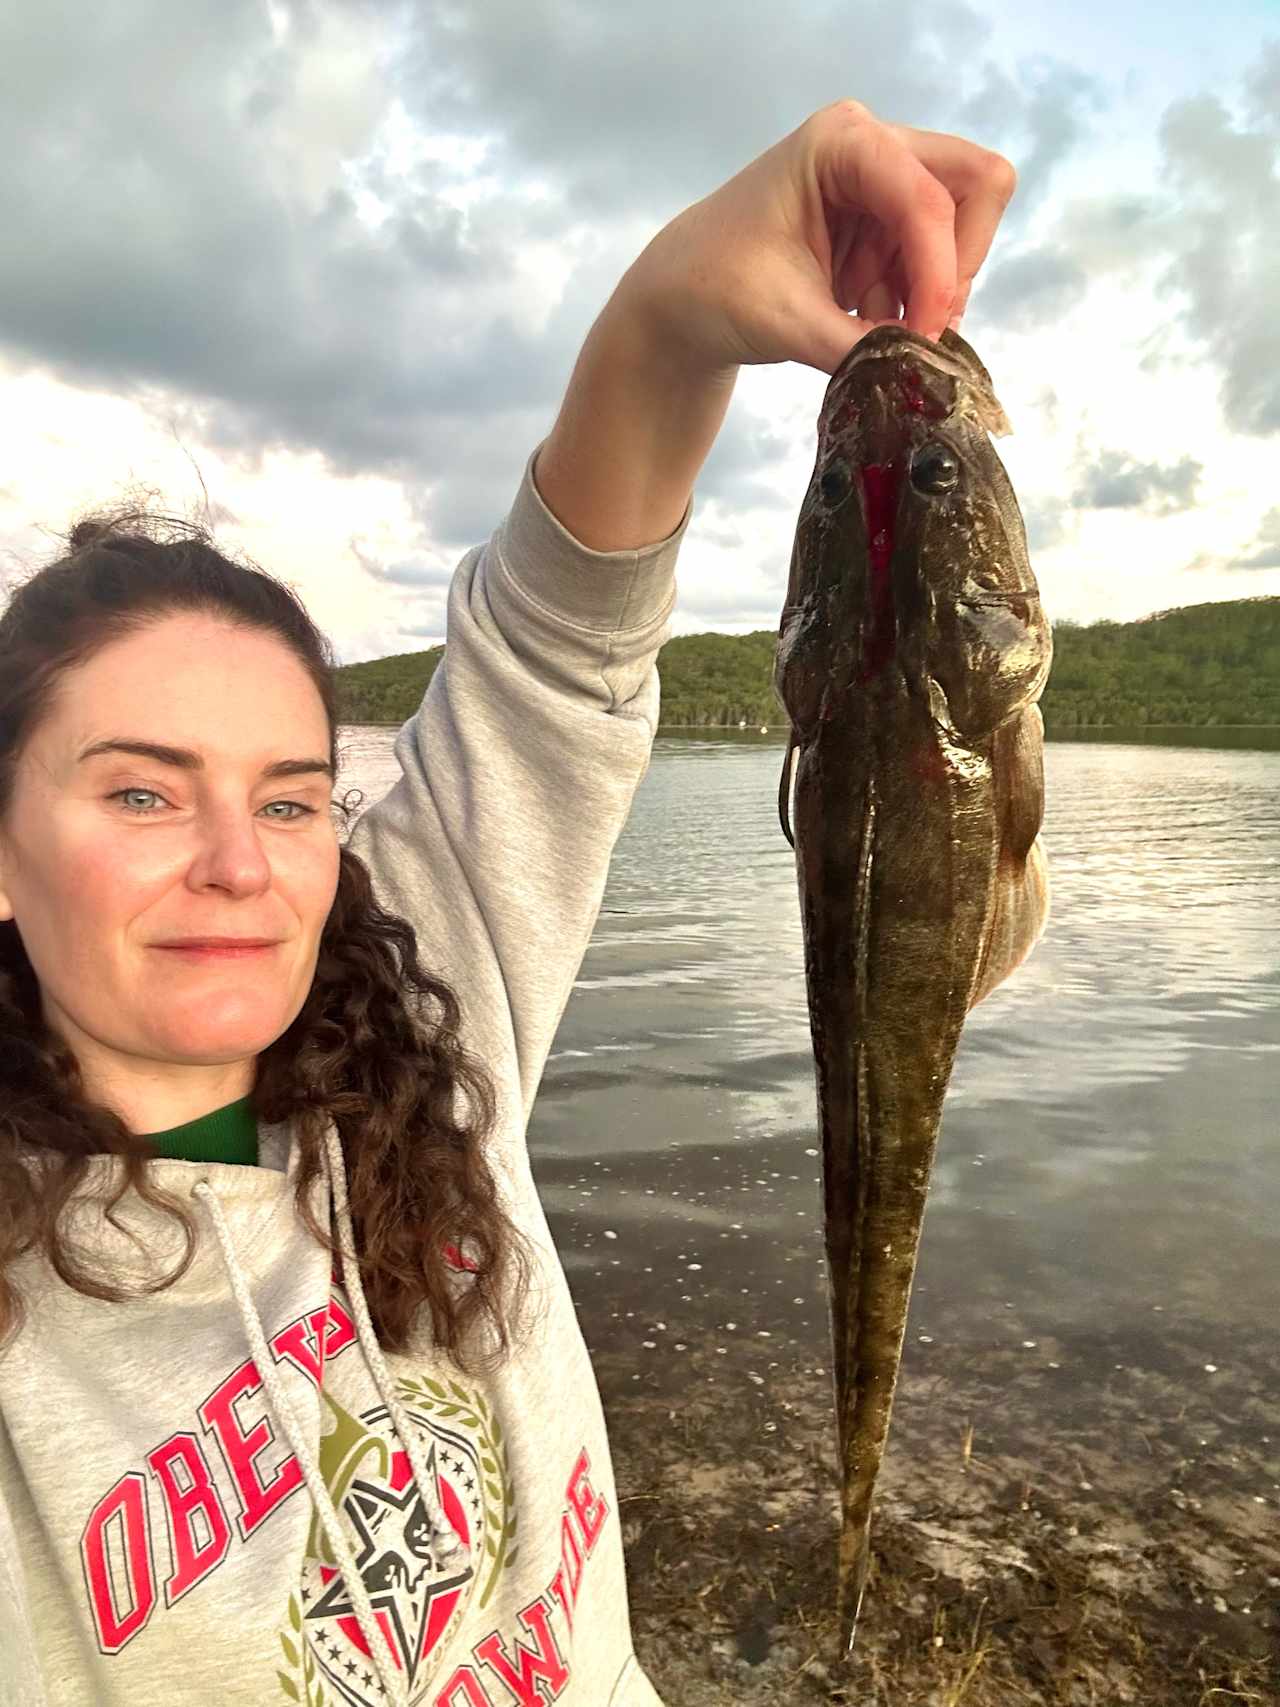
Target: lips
219	942
235	946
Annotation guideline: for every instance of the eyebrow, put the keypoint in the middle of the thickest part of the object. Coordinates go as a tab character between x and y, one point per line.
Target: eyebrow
183	758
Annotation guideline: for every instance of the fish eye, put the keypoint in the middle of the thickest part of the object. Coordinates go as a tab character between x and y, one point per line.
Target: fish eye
836	482
935	469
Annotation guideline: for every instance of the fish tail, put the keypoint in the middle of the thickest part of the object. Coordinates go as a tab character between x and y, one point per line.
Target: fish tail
855	1557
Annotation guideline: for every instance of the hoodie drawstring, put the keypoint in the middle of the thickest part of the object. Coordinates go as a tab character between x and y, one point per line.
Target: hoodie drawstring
446	1546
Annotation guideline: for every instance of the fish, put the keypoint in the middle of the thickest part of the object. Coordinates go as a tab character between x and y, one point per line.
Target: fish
912	651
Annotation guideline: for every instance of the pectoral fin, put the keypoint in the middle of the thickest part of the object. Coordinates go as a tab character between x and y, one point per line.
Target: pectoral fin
784	790
1020	903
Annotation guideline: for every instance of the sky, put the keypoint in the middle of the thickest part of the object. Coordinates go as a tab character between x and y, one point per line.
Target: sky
337	258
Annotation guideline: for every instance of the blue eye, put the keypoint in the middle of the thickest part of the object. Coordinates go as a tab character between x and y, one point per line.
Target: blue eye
138	812
143	812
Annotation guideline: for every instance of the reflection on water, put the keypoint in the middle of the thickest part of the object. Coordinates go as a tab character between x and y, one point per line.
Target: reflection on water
1109	1156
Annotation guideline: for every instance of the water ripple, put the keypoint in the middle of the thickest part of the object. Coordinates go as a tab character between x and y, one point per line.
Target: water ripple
1112	1110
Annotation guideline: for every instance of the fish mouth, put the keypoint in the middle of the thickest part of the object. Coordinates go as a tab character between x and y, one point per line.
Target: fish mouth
949	356
889	340
881	337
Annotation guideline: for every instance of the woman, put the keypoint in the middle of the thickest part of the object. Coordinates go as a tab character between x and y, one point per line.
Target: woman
295	1406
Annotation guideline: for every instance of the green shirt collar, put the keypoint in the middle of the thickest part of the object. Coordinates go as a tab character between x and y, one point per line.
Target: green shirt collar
228	1134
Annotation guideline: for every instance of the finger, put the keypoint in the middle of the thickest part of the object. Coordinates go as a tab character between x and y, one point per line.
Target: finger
847	262
869	166
867	263
897	276
977	217
847	238
830	332
982	184
880	302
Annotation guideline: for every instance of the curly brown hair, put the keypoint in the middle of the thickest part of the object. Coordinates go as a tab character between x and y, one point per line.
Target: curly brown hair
363	1050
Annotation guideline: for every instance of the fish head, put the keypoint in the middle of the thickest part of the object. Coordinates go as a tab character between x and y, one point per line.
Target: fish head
910	569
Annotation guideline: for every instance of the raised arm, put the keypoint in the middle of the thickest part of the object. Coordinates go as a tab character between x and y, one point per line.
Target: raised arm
520	767
845	213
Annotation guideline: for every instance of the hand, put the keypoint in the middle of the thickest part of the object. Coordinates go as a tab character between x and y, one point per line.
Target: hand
846	213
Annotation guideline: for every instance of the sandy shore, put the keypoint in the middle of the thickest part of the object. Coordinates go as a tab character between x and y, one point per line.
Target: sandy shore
1093	1538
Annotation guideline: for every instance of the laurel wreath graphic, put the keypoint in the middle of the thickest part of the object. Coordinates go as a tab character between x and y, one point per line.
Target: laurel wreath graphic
312	1689
500	1523
499	1517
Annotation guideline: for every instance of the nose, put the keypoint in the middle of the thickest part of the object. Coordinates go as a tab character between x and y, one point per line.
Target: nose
230	852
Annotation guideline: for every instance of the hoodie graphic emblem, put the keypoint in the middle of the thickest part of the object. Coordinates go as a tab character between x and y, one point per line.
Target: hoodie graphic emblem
418	1606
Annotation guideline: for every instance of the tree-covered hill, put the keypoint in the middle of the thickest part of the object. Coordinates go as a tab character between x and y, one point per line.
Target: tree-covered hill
1200	665
385	690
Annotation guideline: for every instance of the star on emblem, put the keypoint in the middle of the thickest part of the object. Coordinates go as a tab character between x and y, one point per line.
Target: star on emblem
393	1556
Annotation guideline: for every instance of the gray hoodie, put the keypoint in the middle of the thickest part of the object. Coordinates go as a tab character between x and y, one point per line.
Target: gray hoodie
226	1491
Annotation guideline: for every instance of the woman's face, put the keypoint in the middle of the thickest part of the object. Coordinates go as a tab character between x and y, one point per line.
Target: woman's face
94	884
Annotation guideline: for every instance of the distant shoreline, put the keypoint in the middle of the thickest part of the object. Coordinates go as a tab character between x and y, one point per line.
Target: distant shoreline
734	728
779	727
1211	666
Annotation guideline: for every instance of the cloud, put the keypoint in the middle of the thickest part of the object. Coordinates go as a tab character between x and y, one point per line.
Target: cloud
210	262
1030	290
1038	116
1046	522
1209	240
1117	481
728	538
1262	88
1091	237
1047	401
644	113
1225	263
723	602
192	220
193	209
418	577
1265	553
745	448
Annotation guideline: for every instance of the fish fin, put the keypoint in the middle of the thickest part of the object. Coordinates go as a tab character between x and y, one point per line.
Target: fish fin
986	405
784	790
959	347
1020	902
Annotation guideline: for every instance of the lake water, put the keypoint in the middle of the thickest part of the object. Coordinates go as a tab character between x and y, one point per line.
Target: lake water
1108	1170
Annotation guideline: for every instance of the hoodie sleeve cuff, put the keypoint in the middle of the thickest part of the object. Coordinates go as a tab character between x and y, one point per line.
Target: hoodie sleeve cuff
609	591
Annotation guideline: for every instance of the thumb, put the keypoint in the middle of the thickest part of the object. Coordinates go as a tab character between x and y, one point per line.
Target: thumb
824	334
